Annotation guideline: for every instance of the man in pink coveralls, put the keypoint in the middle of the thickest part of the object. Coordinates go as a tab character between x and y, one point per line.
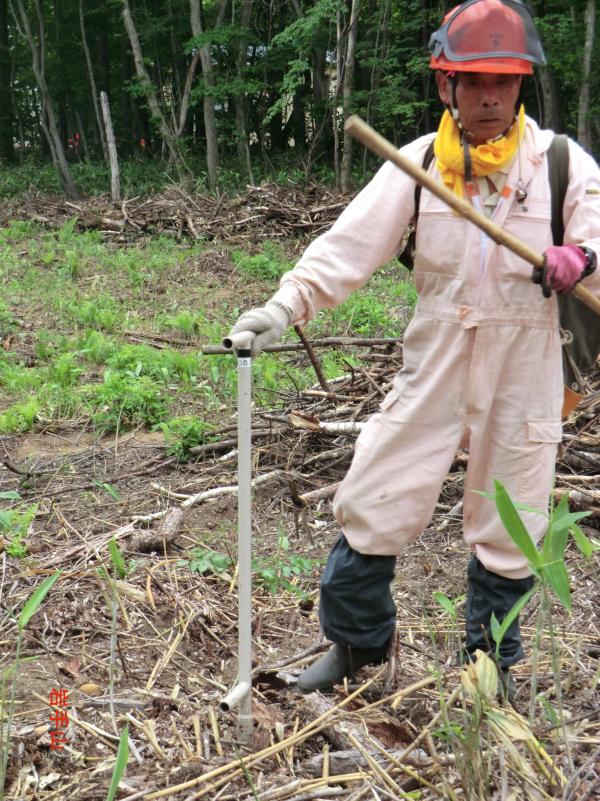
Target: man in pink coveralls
482	355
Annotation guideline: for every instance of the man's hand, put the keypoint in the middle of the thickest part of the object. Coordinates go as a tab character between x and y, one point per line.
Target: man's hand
268	324
565	266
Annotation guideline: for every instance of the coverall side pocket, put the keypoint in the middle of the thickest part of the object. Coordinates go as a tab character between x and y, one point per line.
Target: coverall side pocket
542	437
544	430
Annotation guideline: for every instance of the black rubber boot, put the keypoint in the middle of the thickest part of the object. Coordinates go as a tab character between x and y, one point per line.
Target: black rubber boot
489	592
339	662
356	606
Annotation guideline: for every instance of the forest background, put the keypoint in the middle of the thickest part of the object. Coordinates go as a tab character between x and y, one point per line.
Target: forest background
229	92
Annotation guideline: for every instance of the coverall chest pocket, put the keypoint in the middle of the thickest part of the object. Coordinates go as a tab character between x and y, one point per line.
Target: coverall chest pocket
440	242
530	223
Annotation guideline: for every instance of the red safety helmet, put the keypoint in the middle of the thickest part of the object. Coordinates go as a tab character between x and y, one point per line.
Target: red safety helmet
487	36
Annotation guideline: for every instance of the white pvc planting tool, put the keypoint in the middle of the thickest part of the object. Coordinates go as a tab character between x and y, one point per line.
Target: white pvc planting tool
241	694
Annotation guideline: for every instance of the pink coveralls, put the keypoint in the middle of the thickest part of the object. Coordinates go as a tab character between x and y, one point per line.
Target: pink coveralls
482	355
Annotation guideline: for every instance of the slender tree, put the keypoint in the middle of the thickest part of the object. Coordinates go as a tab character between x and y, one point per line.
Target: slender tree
210	126
48	118
6	106
584	128
241	111
167	134
92	80
346	173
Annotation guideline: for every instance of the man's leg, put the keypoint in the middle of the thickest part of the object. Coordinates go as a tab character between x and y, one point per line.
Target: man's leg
386	499
521	454
357	613
356	607
489	592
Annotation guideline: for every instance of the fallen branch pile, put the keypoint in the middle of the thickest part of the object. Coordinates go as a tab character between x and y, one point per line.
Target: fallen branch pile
268	211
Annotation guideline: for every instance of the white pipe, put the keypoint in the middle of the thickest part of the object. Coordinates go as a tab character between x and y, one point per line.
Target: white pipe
234	697
241	695
241	341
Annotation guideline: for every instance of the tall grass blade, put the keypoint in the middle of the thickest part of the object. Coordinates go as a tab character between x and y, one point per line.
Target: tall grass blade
36	599
120	764
555	544
555	573
581	541
565	521
515	527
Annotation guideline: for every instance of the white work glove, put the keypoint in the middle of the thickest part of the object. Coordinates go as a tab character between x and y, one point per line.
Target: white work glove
268	323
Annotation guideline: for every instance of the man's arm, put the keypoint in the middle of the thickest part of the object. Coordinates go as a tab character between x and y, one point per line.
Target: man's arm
367	234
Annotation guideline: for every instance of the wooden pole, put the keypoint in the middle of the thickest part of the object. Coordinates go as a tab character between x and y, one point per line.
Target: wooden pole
359	129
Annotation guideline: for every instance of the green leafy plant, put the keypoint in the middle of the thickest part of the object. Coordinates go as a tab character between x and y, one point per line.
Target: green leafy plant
64	370
30	607
185	322
277	573
99	313
204	561
14	525
282	571
96	347
8	321
125	400
268	265
549	568
19	417
109	489
447	605
121	568
183	433
547	565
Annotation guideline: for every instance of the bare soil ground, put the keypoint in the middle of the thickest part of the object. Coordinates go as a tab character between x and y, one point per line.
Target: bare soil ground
175	650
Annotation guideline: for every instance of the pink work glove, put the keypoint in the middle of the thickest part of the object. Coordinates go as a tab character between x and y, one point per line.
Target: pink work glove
565	266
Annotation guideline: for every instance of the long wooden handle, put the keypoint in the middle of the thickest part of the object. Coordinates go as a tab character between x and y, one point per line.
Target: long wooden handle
359	129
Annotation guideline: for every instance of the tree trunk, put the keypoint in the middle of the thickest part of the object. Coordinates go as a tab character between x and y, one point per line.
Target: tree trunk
336	94
584	132
380	49
90	68
7	151
185	96
240	99
167	134
210	124
115	184
48	121
346	93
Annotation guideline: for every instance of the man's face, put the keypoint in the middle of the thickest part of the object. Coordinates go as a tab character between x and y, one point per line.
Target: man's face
486	102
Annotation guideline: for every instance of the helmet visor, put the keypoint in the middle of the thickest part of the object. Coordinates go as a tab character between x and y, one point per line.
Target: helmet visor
481	29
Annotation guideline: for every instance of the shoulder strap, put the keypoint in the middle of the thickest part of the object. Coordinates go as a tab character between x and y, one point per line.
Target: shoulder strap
581	351
558	174
427	159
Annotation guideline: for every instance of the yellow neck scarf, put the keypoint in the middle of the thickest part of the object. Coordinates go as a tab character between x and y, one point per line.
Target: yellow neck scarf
486	158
